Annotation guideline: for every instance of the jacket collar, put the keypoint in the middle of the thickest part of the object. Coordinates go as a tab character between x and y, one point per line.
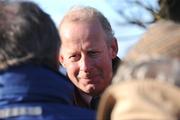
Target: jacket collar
30	82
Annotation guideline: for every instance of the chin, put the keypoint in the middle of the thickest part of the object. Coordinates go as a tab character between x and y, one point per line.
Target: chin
90	90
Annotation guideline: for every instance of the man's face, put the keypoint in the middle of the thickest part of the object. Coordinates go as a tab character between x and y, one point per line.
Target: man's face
86	56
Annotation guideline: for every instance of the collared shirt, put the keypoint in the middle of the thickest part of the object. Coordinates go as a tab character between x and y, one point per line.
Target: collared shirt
86	101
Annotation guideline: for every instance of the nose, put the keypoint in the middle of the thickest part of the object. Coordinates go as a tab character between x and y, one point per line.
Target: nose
86	64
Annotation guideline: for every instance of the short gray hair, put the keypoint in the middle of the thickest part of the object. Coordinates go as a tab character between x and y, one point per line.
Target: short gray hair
89	13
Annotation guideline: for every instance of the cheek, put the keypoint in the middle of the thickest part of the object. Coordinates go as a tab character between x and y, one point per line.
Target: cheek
106	64
72	70
106	59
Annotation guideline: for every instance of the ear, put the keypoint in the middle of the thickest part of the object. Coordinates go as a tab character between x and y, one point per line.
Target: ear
61	60
114	48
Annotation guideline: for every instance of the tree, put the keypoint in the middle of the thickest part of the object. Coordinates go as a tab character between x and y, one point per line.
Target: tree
137	12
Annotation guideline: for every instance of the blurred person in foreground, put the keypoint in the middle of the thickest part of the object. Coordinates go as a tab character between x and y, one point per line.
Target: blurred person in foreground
149	79
88	53
31	87
146	90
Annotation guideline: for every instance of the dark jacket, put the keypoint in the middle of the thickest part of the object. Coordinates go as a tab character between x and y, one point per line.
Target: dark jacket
30	92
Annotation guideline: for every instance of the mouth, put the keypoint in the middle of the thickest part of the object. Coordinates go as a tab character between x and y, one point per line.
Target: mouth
89	80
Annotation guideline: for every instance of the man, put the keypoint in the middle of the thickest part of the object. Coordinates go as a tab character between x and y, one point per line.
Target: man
87	51
31	87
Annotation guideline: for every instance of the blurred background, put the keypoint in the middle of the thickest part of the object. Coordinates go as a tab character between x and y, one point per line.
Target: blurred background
129	18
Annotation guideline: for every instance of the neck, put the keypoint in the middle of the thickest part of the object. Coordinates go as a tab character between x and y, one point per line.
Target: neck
87	98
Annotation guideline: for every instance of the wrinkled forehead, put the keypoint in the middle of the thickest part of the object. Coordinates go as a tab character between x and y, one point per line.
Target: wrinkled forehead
80	22
82	30
82	35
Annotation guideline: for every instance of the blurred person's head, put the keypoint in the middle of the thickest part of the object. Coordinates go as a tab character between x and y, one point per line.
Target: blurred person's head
88	48
161	39
147	89
159	68
27	34
140	100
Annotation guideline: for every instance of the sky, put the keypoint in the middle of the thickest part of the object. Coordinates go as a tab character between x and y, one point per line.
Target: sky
127	36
